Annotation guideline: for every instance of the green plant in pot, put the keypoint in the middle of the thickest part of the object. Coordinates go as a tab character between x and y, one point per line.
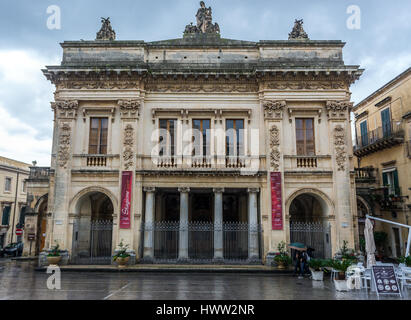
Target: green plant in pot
54	256
341	267
405	260
121	256
316	268
282	259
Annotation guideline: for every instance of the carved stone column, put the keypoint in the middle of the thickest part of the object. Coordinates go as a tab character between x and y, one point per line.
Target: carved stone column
149	224
218	223
253	249
183	234
65	116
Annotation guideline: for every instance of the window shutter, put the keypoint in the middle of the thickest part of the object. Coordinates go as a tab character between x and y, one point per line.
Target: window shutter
6	216
396	184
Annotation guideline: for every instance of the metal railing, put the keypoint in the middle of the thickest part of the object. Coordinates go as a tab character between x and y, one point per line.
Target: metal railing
381	133
235	237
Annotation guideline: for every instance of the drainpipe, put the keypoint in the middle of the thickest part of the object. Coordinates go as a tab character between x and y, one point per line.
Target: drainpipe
15	205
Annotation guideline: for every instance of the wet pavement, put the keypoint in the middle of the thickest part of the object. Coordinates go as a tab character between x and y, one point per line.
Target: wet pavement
18	280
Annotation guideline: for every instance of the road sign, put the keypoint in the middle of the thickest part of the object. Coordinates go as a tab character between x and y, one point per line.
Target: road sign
385	280
31	236
19	232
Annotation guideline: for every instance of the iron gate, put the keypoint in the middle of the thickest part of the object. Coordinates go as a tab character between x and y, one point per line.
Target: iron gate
99	248
313	234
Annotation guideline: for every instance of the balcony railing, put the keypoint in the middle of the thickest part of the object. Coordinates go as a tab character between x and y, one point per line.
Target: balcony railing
378	139
307	162
39	173
366	174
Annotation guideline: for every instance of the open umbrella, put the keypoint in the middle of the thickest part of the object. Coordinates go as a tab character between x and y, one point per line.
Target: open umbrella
297	246
369	243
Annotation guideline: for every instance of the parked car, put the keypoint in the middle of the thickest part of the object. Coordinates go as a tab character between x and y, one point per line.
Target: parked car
14	249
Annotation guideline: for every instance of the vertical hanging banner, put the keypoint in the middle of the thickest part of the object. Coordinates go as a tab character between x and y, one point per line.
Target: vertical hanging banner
276	201
126	189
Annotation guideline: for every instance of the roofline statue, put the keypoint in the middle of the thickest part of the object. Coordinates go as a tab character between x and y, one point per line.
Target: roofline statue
204	22
106	32
298	32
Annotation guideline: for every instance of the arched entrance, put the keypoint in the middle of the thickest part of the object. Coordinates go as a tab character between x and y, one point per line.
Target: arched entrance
93	228
41	209
308	223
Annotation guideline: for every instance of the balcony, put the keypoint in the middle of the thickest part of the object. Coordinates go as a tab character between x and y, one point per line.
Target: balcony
39	173
307	163
96	161
365	175
379	139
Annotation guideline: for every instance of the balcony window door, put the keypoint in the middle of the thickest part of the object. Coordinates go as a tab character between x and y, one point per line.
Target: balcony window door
386	122
390	180
364	133
201	137
167	137
235	137
305	136
98	136
6	216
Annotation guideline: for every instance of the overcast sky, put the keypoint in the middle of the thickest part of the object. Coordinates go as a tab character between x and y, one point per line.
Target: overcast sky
381	46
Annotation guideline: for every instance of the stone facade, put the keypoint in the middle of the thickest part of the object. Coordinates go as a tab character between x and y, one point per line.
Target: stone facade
383	152
265	85
12	198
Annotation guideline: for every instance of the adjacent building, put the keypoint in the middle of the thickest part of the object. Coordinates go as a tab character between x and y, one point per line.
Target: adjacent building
383	151
12	199
199	149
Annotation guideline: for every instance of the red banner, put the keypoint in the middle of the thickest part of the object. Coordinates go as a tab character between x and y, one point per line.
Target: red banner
276	201
126	189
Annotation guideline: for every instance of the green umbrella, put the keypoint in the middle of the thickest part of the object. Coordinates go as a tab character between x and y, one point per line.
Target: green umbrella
297	246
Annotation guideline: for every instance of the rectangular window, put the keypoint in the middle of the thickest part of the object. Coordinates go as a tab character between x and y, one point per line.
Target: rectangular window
24	187
201	137
364	133
235	137
98	136
168	129
305	136
7	184
6	216
386	122
390	180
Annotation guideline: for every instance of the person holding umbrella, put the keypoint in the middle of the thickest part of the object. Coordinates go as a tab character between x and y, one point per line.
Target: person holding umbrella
301	258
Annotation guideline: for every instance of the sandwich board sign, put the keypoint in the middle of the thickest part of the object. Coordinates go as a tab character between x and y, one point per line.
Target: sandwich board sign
385	280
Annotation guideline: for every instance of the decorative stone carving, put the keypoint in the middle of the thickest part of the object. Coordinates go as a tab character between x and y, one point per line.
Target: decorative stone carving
128	154
204	22
306	85
298	32
106	32
274	148
65	108
184	189
89	84
339	143
274	109
129	108
338	109
64	144
200	87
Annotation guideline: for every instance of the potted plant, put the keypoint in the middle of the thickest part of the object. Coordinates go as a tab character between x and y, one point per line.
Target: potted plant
121	257
405	260
282	259
316	268
54	256
341	267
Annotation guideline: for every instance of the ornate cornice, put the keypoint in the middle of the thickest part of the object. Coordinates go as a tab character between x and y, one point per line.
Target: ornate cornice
274	109
183	86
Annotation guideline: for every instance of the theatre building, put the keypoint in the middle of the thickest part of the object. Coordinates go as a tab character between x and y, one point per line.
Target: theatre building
200	149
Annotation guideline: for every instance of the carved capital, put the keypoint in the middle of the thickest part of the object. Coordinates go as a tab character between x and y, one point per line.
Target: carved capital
274	109
218	190
129	108
65	108
338	109
149	189
184	189
253	190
